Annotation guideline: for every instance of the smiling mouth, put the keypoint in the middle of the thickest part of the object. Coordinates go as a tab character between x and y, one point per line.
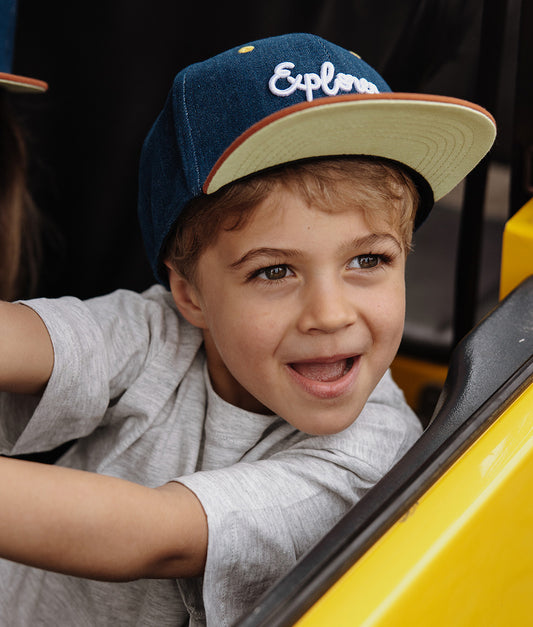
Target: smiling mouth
325	372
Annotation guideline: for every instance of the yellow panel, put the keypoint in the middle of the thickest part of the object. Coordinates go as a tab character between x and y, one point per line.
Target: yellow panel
517	249
414	376
463	556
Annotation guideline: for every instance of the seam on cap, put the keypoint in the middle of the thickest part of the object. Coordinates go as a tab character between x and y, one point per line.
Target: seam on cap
326	51
189	132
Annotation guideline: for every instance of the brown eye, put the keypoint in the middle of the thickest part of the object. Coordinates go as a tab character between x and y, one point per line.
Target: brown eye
365	262
274	273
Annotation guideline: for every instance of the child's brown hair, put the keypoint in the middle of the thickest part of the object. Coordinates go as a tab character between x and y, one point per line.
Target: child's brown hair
382	188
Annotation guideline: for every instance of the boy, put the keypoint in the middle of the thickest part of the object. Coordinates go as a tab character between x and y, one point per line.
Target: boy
235	418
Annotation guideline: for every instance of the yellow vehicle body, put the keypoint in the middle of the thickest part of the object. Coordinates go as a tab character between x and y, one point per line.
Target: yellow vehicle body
463	555
416	377
517	249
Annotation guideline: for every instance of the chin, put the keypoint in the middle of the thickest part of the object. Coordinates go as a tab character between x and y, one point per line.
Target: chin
324	426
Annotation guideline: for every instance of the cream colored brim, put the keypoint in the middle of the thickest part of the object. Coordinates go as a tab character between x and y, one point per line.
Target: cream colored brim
441	138
22	84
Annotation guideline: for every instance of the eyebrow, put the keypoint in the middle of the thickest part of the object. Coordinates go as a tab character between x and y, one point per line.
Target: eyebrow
368	241
289	253
372	239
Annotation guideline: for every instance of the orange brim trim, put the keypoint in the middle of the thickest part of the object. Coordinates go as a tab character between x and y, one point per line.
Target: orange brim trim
22	83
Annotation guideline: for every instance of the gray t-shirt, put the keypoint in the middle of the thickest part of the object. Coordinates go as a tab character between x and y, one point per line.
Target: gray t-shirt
130	384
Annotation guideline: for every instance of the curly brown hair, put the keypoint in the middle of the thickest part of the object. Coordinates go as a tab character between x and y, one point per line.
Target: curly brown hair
382	188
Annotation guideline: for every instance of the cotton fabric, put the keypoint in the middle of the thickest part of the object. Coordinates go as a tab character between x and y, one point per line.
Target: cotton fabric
130	385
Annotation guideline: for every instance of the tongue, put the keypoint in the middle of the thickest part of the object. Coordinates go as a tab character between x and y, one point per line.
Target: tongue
321	372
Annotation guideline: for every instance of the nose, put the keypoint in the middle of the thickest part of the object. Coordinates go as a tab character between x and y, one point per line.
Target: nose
327	307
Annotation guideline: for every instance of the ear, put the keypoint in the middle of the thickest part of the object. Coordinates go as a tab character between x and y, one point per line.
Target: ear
186	297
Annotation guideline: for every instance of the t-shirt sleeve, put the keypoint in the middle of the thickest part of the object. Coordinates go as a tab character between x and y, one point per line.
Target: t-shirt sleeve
262	516
100	347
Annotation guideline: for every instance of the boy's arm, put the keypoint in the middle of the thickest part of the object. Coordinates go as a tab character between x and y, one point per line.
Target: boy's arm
26	353
98	527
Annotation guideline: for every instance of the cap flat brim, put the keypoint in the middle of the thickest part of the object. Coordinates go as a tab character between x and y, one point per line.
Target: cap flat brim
440	138
15	83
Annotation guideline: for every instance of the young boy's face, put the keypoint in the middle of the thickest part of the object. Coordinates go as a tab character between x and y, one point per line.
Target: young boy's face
302	311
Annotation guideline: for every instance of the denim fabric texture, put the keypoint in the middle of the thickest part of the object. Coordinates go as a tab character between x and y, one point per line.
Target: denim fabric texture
210	105
8	81
8	14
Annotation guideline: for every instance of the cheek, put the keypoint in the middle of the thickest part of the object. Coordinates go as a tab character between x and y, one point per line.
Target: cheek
243	335
389	318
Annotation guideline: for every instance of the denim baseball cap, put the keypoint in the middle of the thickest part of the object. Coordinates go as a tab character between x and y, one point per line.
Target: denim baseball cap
289	98
9	81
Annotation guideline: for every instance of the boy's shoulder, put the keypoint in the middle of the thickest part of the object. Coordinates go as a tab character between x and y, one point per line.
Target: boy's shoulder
150	317
382	433
126	327
153	297
154	306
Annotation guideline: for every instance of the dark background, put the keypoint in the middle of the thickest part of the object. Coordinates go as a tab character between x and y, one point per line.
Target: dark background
109	66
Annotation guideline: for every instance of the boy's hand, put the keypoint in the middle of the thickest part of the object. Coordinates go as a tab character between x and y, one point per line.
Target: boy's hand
26	352
99	527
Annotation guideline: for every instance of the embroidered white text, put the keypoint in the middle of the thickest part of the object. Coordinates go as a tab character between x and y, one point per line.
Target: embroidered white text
328	81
